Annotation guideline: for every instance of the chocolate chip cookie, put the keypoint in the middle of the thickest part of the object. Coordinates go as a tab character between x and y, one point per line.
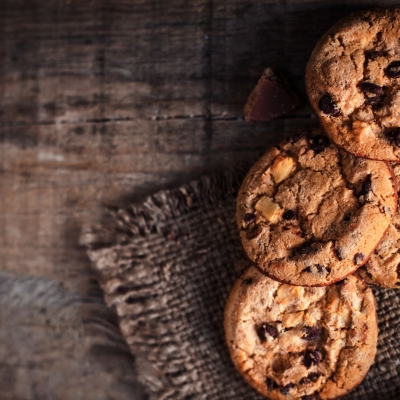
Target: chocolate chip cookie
383	267
353	82
310	214
292	342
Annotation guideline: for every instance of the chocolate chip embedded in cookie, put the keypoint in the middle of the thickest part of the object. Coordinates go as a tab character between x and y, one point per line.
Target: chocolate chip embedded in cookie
316	342
353	82
310	214
383	267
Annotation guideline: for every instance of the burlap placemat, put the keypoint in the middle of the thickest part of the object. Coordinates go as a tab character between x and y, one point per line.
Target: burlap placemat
167	266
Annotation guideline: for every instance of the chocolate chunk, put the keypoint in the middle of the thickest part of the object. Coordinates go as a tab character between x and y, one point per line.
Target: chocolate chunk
393	69
377	102
271	384
304	381
320	268
370	88
285	390
312	357
270	99
248	281
316	269
366	186
328	106
394	135
313	377
346	217
373	93
311	333
253	232
289	214
263	329
319	143
248	217
373	55
358	258
304	249
396	139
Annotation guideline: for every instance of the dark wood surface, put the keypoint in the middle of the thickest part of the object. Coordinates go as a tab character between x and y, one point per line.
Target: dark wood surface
101	103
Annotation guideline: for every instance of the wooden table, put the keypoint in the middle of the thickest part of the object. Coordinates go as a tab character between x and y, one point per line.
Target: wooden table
103	102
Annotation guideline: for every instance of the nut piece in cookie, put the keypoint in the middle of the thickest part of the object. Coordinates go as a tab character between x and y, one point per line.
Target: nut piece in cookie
302	347
282	168
269	209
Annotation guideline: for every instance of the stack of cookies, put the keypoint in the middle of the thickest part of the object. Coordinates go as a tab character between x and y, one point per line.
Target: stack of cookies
317	220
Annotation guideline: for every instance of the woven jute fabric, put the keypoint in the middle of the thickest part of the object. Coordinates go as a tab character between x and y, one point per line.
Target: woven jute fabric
166	267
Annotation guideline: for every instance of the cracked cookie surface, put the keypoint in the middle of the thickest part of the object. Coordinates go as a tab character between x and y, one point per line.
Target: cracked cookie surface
383	267
353	82
310	214
290	342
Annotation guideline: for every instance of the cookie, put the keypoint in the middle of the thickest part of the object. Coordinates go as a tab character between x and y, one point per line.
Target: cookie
310	213
271	98
353	83
292	342
383	267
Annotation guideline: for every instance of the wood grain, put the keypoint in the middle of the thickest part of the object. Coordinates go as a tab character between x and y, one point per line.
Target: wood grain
101	103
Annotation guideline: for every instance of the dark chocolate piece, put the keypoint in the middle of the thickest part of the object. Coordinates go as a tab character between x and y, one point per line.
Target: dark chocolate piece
289	214
253	232
366	186
370	88
263	329
346	217
394	135
311	333
271	384
304	249
328	106
373	55
393	69
312	357
270	99
373	93
285	390
358	258
319	143
316	269
249	217
313	377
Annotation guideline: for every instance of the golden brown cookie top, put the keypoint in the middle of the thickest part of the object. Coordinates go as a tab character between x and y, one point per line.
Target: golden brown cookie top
353	82
291	341
310	214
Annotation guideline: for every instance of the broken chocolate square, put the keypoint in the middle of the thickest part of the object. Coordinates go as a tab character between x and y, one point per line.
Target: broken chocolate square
270	99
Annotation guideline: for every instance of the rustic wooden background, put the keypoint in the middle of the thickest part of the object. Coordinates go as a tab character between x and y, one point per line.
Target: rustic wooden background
101	103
